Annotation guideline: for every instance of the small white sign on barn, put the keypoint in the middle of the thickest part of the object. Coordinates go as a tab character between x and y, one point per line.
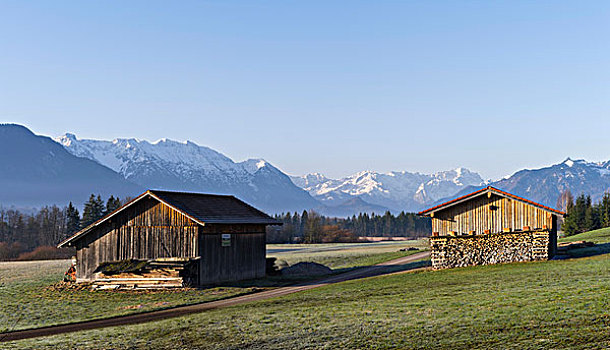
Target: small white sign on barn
226	240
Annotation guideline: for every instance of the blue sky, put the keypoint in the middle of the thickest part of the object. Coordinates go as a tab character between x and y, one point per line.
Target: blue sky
328	86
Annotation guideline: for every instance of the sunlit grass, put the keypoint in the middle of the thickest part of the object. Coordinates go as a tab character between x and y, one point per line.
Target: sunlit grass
536	305
595	236
27	300
345	255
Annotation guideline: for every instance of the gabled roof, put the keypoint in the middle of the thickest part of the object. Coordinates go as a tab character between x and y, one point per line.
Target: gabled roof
200	207
213	209
482	192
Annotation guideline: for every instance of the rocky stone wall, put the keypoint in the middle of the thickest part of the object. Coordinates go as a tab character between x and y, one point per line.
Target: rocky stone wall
458	251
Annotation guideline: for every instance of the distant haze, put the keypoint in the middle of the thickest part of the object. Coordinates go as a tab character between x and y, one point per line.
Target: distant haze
317	86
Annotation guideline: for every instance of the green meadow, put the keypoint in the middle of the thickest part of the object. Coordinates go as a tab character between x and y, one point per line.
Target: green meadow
562	304
31	296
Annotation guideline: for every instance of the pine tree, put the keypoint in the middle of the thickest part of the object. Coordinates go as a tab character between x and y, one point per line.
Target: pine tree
304	219
296	223
575	221
72	220
93	210
112	204
592	221
604	210
288	229
388	224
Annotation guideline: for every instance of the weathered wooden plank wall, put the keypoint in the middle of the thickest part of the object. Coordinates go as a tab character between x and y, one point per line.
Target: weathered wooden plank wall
243	259
147	230
477	215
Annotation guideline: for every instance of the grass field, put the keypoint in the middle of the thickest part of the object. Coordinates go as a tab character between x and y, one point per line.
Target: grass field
343	255
595	236
601	237
539	305
28	300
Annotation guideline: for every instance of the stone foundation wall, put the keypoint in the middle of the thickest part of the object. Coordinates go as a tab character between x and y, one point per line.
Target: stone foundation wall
458	251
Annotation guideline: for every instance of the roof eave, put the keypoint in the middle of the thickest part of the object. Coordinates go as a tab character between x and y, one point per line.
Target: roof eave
488	189
454	201
82	232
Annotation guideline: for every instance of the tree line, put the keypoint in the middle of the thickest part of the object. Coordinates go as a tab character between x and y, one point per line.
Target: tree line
37	232
311	227
584	215
22	232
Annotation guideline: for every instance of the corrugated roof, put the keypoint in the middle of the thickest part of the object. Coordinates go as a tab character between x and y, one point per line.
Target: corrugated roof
483	191
200	207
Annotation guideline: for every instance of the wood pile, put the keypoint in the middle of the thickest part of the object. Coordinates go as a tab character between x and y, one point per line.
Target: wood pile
459	251
146	274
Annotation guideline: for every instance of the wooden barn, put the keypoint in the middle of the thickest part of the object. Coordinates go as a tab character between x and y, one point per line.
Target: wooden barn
491	226
173	238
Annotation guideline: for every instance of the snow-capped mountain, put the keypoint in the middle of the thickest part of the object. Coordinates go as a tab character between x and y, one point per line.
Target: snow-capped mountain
545	185
395	190
37	171
186	166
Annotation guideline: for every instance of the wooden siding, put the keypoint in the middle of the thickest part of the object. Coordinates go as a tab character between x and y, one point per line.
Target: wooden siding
147	230
476	215
243	259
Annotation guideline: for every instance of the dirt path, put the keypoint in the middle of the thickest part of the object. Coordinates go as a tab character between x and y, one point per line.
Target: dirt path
379	269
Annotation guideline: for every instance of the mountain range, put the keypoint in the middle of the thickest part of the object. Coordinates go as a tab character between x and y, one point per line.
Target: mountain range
37	170
186	166
545	185
394	190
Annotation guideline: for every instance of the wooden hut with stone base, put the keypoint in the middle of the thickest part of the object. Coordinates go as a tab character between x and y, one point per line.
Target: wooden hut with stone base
491	226
172	239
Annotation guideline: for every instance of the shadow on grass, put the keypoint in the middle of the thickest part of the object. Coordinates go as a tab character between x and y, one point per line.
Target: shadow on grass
377	270
598	249
348	274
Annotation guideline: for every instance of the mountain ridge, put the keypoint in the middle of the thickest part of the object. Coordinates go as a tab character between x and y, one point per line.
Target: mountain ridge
545	185
186	166
37	171
397	190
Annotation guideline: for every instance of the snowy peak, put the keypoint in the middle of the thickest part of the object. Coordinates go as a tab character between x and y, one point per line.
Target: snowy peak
578	162
459	176
309	180
569	162
66	139
253	166
544	185
119	154
175	165
169	164
397	190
